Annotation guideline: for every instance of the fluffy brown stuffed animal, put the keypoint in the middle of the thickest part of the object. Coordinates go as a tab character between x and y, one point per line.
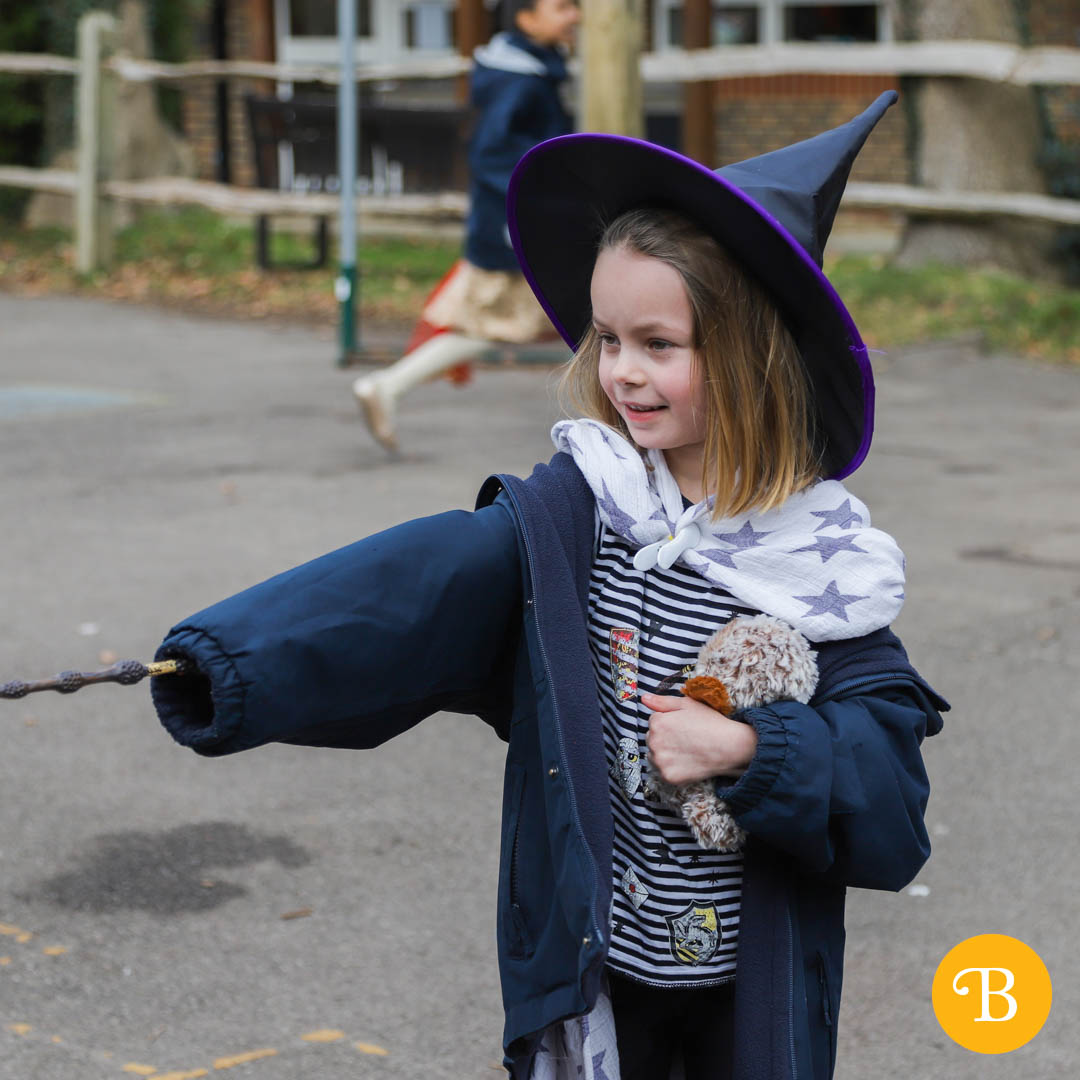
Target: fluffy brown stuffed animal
747	662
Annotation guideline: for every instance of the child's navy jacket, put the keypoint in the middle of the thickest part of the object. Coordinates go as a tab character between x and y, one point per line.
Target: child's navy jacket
515	95
485	613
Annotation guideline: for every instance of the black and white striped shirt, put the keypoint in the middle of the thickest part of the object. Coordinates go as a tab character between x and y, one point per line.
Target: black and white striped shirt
675	910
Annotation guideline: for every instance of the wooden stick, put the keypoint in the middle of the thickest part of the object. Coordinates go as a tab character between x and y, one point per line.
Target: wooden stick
125	672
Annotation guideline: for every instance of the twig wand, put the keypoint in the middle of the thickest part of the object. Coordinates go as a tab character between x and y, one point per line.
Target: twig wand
125	672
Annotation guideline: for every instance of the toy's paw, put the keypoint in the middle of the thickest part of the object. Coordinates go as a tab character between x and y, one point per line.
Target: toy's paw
713	827
709	691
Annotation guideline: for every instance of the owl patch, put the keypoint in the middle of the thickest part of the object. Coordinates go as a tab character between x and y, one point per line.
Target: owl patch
626	768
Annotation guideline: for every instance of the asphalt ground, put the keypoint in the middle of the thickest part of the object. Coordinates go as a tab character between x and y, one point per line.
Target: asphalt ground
292	914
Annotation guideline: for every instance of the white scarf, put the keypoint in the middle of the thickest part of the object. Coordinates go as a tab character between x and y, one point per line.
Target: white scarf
814	562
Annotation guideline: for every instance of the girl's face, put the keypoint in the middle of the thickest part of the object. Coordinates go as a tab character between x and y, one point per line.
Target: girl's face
647	369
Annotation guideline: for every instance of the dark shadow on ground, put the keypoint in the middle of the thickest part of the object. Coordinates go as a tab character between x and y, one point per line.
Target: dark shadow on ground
164	873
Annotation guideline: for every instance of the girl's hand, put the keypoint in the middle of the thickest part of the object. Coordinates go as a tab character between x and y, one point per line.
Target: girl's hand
688	741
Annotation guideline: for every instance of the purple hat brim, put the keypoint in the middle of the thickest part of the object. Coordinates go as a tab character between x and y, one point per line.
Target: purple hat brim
566	190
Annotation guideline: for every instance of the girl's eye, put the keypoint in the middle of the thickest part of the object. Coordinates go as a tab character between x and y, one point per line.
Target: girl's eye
608	340
660	345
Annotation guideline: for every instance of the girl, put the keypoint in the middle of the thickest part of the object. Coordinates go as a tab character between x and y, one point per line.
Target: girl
724	392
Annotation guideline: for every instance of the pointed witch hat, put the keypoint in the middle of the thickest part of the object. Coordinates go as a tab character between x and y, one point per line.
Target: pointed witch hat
772	213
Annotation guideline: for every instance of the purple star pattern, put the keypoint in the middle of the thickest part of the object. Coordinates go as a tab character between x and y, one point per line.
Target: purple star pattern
831	602
598	1066
620	520
744	538
614	449
843	516
722	558
828	546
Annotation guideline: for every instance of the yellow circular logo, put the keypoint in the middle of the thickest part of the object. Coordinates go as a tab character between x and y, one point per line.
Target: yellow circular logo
992	993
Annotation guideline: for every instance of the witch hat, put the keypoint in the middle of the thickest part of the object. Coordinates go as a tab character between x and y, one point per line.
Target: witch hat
773	213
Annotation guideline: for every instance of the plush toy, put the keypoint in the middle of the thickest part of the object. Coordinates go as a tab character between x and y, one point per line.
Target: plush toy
749	661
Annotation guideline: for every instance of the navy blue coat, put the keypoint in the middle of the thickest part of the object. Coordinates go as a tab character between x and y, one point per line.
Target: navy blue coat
515	95
495	601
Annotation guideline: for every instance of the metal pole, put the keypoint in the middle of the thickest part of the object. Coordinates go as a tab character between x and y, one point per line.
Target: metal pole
346	286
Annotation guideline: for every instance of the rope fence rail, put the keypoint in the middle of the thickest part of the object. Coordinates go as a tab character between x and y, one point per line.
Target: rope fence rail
993	61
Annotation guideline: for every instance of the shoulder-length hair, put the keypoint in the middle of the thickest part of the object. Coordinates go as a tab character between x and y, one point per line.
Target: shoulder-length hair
760	440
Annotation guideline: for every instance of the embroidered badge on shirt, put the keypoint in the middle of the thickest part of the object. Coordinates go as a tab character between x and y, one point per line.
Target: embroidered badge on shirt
626	768
624	662
694	933
634	888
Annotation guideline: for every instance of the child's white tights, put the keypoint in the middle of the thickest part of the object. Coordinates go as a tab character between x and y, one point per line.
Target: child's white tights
378	392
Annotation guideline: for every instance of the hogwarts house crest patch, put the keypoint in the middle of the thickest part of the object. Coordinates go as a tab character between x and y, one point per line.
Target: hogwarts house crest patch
694	933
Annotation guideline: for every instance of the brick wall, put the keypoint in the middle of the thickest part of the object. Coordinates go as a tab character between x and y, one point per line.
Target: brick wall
758	114
248	37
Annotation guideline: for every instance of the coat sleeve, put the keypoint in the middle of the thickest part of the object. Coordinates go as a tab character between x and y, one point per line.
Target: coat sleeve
505	134
357	646
841	787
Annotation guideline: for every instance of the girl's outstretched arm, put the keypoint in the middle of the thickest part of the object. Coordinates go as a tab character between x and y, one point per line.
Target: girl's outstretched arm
840	786
357	646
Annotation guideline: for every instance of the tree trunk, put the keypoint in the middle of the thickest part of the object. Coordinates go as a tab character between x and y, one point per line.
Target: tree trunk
612	92
974	135
143	143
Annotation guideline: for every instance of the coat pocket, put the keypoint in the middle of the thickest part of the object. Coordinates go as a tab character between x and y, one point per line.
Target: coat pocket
518	940
828	1009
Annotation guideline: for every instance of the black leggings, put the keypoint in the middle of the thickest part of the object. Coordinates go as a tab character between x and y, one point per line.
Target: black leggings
653	1025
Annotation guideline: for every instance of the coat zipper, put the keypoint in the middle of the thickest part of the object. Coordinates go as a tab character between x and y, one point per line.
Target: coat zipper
598	936
866	681
791	993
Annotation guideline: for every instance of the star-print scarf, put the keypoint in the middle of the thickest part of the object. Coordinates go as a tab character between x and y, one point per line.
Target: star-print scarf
814	562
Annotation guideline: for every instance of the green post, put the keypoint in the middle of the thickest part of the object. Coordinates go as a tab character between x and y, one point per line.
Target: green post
345	287
345	292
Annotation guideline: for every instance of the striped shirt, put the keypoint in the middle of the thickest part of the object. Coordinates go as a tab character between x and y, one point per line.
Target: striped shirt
675	909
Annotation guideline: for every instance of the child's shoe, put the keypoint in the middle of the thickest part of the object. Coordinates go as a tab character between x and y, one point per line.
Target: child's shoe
378	411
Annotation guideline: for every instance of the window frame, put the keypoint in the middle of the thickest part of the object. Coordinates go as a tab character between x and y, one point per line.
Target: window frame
770	18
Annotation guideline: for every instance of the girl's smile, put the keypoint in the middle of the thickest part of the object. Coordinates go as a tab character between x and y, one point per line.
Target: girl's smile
647	364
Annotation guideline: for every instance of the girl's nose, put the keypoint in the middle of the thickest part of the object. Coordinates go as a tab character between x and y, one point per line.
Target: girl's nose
627	370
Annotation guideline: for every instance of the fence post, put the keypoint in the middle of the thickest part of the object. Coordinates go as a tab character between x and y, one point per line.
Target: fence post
94	107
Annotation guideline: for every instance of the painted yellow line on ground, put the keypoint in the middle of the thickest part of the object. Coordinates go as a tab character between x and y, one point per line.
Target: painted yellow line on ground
21	1029
324	1035
4	961
55	950
191	1074
240	1059
139	1070
371	1048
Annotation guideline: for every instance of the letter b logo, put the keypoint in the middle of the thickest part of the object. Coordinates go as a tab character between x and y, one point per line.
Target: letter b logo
992	993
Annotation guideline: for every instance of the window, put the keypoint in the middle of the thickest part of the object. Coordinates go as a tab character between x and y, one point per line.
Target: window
429	26
318	18
831	22
730	25
767	22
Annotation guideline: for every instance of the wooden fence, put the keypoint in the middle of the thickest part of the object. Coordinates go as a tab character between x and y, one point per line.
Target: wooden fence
95	68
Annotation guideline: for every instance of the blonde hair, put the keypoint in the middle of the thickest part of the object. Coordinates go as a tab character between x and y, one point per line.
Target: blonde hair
760	440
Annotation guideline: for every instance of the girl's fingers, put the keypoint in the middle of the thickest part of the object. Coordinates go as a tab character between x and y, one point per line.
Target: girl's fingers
661	702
